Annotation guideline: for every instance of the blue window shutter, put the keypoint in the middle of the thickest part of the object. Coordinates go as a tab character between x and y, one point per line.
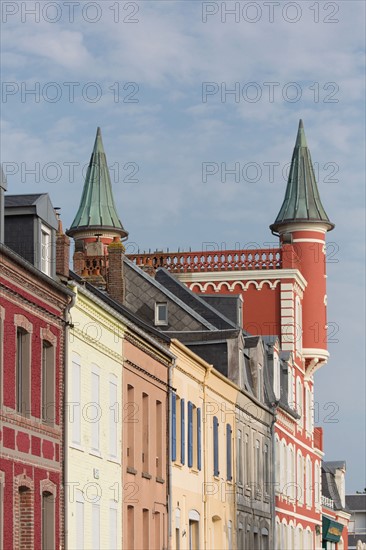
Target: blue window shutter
228	452
190	434
182	433
216	445
174	426
199	439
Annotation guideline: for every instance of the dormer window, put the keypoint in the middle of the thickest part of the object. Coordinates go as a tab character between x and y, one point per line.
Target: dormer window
161	313
46	251
276	375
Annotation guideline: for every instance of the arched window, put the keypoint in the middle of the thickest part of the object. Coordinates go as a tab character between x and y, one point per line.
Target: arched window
290	389
290	490
317	486
299	401
283	466
276	375
298	321
277	465
300	478
309	482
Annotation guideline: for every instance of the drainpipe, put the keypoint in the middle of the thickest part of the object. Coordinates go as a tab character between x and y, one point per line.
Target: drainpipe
273	495
67	319
170	512
205	465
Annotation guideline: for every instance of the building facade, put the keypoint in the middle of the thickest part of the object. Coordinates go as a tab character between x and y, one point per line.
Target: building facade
33	311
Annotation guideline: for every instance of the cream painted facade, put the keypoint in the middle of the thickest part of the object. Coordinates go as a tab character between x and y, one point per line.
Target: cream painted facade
93	439
202	501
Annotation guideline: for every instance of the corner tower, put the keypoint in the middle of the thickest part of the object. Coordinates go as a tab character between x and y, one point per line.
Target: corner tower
303	222
97	229
97	213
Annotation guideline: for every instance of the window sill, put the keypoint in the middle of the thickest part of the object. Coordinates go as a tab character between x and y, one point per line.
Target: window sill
146	475
159	479
77	447
131	470
114	459
95	453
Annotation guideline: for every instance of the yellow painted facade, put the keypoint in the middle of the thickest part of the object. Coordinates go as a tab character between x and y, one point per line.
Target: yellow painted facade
202	503
93	499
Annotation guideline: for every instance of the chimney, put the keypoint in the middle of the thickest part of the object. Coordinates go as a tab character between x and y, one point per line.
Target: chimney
62	251
115	279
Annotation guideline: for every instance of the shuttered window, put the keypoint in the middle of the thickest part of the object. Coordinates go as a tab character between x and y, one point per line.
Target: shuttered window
182	432
199	439
228	453
174	426
216	445
190	434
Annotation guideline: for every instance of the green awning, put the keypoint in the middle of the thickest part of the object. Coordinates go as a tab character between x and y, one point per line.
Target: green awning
332	530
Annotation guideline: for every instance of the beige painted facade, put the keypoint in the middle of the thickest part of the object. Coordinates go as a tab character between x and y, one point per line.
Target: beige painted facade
93	499
202	499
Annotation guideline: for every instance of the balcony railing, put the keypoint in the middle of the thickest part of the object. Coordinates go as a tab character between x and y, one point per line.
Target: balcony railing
328	502
211	261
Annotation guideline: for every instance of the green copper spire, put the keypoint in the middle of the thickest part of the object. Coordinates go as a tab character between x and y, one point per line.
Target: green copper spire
302	201
97	210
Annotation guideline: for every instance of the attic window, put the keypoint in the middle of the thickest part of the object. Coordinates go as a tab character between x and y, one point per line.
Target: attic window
161	313
46	250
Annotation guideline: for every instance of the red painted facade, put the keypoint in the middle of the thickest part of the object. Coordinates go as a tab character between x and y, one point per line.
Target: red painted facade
31	442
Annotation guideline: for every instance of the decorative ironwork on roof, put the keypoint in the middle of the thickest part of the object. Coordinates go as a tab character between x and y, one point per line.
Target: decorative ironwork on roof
97	210
302	201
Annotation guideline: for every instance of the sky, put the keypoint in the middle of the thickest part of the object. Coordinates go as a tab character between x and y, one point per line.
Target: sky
199	104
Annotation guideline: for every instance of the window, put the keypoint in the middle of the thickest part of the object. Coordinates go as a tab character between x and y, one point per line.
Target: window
216	446
283	466
23	372
159	439
129	418
230	535
300	478
48	383
193	435
309	481
145	528
130	527
161	313
199	444
290	389
298	320
113	416
26	511
259	384
240	458
290	490
48	521
174	426
95	526
277	466
2	317
79	520
276	375
190	434
266	468
113	519
145	433
194	519
182	433
177	529
94	409
257	464
309	410
76	397
299	401
229	459
157	527
247	460
46	250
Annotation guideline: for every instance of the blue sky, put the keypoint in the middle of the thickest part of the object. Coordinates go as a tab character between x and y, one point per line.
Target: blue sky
156	76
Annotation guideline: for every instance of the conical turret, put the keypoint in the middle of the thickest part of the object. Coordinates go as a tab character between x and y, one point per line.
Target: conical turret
97	211
302	201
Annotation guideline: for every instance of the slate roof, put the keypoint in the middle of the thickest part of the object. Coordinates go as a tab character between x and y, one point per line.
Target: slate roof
193	300
302	200
356	502
22	200
97	209
329	486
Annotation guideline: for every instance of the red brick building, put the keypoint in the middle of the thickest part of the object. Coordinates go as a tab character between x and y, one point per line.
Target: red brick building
32	327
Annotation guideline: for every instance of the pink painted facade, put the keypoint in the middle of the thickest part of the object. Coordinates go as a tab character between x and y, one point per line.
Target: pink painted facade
145	444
